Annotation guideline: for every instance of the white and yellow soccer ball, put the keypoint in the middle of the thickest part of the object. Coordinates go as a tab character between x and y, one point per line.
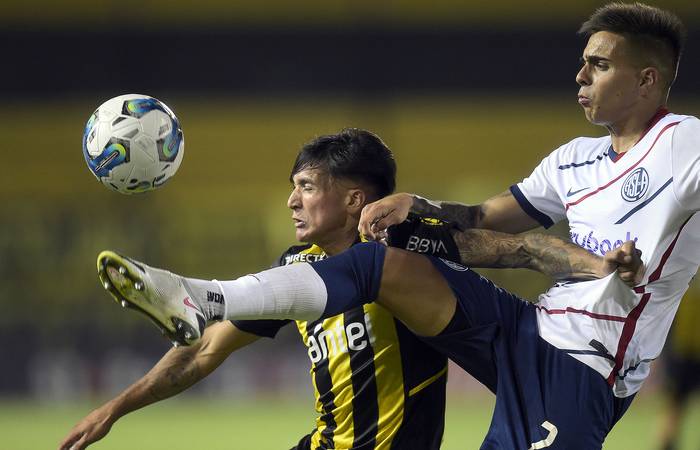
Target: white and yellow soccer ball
133	143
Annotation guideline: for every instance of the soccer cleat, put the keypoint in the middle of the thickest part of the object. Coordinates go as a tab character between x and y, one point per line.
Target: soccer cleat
159	294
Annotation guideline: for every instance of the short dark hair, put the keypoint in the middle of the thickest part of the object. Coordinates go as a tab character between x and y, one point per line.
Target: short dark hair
653	31
353	154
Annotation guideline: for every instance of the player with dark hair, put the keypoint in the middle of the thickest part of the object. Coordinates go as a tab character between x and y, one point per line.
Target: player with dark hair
376	384
654	37
565	370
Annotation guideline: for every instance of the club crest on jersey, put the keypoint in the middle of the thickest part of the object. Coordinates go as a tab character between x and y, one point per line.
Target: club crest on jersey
635	185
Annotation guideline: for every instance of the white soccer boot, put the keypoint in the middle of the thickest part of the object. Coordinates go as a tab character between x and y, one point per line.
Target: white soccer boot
159	294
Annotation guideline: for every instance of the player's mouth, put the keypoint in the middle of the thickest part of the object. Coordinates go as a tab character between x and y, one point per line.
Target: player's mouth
298	223
584	101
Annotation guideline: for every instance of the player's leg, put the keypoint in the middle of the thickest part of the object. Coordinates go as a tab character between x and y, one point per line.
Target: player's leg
410	287
180	307
546	399
415	292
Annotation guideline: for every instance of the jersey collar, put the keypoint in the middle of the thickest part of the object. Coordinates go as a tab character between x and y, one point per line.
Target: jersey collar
660	114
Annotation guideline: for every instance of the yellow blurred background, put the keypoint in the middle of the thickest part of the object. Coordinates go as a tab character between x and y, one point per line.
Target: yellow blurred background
469	96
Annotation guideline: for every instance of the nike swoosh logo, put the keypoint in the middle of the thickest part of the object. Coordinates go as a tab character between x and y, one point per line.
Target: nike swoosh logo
570	193
187	302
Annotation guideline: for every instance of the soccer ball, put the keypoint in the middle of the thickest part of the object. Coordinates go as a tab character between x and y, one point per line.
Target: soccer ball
133	143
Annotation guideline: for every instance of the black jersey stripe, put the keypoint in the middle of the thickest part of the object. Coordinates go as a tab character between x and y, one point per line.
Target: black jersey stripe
365	406
575	165
589	353
644	203
324	385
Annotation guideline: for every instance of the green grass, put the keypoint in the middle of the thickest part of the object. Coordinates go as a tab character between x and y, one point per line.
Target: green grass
270	424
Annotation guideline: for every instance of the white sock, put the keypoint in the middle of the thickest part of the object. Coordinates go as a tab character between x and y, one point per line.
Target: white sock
207	294
295	291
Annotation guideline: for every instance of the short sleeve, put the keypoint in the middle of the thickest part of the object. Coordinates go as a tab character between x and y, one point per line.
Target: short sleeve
263	328
685	163
537	195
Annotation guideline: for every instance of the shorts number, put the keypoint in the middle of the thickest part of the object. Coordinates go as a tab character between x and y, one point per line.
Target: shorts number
549	440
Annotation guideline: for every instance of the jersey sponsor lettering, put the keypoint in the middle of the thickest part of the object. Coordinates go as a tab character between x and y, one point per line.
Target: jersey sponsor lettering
424	235
353	336
424	245
303	257
600	244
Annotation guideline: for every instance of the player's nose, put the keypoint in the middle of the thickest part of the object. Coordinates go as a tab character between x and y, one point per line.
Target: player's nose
582	78
294	202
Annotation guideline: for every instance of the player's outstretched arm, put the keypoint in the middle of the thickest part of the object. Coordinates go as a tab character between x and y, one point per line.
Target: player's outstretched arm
180	368
500	213
545	253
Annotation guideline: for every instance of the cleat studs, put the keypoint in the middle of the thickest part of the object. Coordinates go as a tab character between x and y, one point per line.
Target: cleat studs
106	284
138	286
122	270
124	304
188	335
179	325
176	344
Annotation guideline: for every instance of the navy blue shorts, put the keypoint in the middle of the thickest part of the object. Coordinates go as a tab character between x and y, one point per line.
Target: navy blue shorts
544	397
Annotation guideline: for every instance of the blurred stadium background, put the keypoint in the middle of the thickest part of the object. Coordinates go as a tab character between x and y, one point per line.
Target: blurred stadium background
469	95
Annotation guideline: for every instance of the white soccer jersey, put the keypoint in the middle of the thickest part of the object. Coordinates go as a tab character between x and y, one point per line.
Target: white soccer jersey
650	195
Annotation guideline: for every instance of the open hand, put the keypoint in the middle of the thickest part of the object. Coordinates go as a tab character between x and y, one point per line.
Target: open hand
92	428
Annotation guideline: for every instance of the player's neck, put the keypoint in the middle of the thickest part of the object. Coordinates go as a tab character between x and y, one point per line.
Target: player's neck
626	134
340	242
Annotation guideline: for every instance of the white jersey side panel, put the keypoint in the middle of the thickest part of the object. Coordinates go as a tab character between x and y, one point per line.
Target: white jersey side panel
649	195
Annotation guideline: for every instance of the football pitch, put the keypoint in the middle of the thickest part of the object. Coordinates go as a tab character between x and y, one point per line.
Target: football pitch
274	424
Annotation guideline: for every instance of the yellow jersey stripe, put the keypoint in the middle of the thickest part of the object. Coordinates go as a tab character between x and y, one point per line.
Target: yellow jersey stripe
427	382
332	341
389	375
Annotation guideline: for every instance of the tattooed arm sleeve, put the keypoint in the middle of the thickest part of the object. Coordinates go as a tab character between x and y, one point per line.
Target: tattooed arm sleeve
547	254
500	213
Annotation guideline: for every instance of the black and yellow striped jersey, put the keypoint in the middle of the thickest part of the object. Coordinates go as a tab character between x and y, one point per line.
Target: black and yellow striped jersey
377	385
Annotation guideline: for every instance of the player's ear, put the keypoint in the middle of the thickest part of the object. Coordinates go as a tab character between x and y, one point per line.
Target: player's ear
356	199
649	80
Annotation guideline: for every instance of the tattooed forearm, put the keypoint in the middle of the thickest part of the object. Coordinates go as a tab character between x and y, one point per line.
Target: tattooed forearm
560	259
547	254
464	216
178	371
